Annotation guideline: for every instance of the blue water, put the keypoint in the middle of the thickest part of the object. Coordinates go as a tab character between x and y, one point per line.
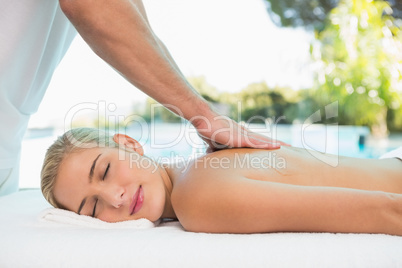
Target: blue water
172	140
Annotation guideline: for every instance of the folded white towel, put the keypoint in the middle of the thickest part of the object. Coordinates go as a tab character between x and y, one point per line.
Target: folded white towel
72	218
397	153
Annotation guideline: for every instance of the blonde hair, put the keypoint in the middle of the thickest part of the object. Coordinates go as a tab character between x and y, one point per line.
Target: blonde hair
72	141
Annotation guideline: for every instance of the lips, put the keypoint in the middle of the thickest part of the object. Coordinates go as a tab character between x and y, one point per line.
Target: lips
137	202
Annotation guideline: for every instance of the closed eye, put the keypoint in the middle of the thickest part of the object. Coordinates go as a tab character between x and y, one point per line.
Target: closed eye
103	178
107	169
93	212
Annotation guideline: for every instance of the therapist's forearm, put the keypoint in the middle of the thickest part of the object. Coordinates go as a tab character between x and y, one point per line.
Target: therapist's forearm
119	33
169	56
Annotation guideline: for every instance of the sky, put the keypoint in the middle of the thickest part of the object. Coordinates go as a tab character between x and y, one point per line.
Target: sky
231	42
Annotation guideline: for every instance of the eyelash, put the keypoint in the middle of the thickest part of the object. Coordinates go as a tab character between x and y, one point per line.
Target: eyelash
93	212
107	169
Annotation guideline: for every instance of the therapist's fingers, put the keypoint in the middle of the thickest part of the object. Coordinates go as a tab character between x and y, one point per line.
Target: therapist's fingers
223	133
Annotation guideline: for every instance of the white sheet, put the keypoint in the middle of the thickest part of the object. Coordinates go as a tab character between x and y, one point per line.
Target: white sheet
71	218
397	153
25	241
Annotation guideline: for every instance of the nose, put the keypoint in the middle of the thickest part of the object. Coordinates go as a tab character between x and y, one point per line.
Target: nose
114	195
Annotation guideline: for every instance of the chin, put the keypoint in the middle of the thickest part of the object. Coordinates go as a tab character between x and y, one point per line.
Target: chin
155	217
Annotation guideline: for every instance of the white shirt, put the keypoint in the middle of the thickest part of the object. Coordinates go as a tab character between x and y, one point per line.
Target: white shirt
34	36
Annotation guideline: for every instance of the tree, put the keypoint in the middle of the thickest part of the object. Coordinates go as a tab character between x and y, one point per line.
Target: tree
259	101
359	62
297	13
310	13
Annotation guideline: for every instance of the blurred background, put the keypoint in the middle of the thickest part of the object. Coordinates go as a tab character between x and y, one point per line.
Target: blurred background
324	74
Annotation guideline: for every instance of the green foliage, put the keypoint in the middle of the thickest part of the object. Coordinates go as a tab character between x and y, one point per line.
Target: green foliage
301	12
256	102
304	106
310	13
358	59
394	119
259	101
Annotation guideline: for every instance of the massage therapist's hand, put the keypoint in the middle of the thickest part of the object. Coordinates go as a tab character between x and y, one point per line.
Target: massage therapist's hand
221	132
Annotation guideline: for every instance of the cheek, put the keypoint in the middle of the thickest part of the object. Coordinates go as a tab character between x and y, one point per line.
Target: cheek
123	172
111	215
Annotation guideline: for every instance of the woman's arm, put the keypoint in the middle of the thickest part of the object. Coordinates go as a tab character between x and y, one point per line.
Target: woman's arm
242	205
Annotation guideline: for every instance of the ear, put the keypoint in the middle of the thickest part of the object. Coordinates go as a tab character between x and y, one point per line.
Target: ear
129	143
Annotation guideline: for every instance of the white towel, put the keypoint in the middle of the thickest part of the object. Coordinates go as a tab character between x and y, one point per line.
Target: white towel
397	153
72	218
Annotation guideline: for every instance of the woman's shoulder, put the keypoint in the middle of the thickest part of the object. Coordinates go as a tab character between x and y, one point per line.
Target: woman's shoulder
216	168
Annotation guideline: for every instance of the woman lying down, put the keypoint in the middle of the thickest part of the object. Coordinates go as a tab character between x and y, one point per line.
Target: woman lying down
229	191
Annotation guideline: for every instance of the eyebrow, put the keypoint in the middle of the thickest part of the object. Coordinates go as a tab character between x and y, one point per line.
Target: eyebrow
91	171
91	174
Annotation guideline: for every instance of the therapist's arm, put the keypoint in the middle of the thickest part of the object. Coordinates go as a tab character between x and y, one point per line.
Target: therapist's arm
119	32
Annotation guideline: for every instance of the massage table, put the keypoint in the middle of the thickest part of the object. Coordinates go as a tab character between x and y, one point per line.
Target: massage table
28	240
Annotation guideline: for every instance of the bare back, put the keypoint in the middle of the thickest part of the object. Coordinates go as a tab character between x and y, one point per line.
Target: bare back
232	190
292	165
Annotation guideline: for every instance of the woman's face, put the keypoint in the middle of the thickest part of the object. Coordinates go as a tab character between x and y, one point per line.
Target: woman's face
101	183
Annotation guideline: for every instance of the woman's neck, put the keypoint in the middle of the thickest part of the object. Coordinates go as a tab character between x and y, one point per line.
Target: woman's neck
170	173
